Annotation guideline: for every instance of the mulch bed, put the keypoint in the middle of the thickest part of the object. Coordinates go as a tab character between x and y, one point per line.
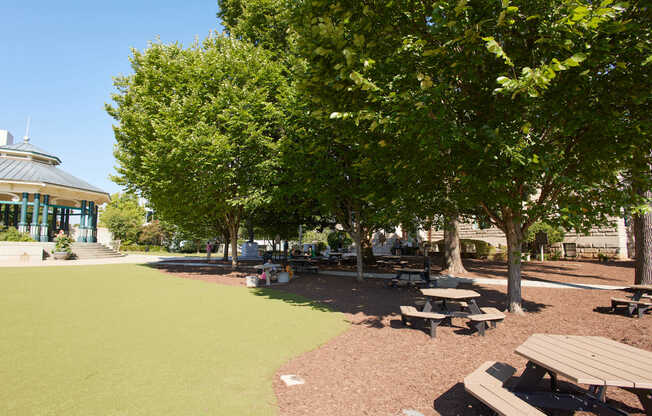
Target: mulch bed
380	367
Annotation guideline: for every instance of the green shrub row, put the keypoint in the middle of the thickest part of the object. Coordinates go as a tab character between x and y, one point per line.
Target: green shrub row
12	234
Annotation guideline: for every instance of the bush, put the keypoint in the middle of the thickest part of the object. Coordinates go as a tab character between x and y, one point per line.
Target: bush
555	234
12	234
338	240
63	244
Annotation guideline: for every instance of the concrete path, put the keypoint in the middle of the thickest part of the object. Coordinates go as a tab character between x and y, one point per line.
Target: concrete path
173	261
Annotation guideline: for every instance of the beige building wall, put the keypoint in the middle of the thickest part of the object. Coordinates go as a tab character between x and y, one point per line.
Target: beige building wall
611	241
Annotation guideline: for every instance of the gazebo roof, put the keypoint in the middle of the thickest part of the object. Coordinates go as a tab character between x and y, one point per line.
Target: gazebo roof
24	170
26	148
25	163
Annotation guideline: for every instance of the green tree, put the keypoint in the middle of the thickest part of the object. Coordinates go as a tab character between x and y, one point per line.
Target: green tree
155	233
528	110
123	216
198	130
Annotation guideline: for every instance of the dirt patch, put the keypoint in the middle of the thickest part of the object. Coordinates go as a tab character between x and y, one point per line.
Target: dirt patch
380	367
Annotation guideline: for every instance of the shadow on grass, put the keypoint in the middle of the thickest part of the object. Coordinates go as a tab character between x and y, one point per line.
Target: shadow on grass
370	303
291	298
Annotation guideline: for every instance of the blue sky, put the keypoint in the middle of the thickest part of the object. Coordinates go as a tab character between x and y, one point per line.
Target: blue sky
57	60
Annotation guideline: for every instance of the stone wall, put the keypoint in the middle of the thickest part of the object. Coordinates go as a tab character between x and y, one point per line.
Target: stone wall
24	252
610	241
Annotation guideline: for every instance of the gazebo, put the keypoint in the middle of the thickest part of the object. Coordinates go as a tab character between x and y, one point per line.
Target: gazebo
37	197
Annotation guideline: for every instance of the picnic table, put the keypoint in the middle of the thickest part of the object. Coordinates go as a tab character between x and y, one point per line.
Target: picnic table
452	294
304	264
590	360
636	304
268	268
420	273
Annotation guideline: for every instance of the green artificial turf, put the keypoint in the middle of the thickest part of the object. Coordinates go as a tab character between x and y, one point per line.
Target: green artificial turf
129	340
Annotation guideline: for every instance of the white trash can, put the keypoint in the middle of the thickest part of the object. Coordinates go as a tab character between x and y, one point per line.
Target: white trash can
251	281
283	277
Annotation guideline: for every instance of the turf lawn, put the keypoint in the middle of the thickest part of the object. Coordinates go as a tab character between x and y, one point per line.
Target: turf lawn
129	340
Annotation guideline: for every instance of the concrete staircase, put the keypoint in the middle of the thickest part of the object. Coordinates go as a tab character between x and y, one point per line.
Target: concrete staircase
93	251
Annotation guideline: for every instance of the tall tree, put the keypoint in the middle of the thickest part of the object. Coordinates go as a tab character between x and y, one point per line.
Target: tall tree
198	129
123	216
526	103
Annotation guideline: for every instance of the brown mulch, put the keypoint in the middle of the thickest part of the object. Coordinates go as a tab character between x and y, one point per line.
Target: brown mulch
380	367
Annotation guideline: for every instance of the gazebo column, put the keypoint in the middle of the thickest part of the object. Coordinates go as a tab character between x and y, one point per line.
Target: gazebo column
44	218
90	236
82	223
66	218
22	225
15	220
34	229
5	218
54	220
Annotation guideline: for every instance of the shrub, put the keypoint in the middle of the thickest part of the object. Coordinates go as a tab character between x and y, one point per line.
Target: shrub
338	240
555	234
12	234
63	244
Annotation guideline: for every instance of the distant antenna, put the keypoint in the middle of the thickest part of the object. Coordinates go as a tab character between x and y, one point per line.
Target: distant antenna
26	138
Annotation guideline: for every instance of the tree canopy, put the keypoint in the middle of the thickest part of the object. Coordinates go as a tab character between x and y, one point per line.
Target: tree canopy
518	107
198	130
123	216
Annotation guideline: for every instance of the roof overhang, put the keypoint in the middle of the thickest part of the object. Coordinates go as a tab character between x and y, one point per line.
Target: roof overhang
55	191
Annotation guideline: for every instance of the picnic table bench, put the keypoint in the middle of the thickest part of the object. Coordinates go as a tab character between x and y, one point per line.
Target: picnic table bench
487	385
432	319
639	303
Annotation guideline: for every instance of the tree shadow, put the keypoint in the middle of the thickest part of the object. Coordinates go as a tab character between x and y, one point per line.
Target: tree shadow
370	303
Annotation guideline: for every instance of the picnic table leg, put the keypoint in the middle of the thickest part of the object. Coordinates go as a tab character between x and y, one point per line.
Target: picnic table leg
531	377
427	307
473	307
637	295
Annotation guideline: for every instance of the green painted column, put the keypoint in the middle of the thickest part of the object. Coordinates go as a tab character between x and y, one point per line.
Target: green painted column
82	223
15	219
22	225
54	220
34	229
90	228
44	218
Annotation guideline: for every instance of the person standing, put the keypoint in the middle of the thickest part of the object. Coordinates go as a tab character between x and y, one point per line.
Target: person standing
209	248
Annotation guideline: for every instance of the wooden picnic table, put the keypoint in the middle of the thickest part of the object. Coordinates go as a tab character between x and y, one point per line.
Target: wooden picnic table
590	360
421	273
452	294
637	304
640	290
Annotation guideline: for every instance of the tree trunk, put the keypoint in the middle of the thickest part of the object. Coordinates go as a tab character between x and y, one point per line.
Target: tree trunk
357	239
226	247
234	245
452	250
514	245
367	251
643	245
